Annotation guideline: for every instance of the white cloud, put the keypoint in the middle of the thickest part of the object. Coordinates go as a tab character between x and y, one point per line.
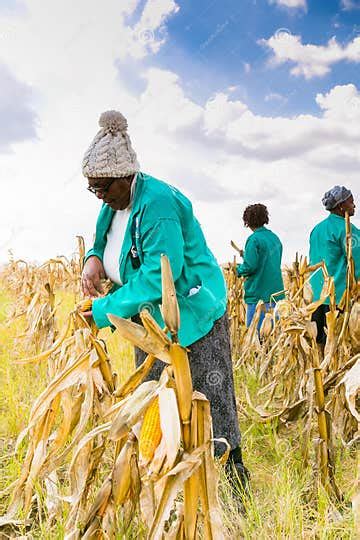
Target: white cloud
149	33
222	154
18	118
219	112
271	139
156	12
228	155
274	96
290	3
350	4
310	60
342	103
176	110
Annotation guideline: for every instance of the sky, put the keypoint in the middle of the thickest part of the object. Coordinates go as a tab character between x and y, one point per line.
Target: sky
233	101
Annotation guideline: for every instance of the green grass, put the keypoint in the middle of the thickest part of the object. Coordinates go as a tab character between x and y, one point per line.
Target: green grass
285	502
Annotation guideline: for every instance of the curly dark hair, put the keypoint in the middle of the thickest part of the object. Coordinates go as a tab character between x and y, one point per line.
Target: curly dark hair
255	216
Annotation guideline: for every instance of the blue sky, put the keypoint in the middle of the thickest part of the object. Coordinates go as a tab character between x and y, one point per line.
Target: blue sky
210	42
232	101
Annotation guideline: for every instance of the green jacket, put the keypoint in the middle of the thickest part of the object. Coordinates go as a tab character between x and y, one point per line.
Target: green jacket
262	266
162	221
328	244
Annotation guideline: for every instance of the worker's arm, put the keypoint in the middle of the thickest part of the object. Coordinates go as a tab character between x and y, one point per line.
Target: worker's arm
251	258
165	237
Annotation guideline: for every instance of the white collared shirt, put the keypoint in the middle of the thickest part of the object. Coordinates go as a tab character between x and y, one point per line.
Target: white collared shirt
115	239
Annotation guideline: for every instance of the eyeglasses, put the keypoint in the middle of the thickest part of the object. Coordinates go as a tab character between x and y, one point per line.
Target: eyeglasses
103	190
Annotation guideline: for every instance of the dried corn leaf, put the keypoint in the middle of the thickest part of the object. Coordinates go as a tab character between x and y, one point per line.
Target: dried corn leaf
352	388
174	482
138	336
170	424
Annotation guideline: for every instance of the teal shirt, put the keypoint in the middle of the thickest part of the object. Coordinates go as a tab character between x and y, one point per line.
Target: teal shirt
162	221
262	266
328	244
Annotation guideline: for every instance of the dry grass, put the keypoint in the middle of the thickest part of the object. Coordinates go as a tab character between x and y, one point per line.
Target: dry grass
284	504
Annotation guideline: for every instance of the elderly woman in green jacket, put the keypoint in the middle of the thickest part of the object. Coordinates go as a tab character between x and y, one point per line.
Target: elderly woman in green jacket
328	244
141	218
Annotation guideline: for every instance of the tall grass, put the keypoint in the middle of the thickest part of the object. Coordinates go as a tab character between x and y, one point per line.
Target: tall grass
285	503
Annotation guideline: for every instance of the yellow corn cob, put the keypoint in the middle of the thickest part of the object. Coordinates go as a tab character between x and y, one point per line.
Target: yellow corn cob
121	475
150	434
267	326
85	305
105	366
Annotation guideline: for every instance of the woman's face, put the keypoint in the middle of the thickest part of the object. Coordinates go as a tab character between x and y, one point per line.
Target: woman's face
348	206
115	192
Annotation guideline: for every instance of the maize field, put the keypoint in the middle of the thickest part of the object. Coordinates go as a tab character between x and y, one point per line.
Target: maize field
89	450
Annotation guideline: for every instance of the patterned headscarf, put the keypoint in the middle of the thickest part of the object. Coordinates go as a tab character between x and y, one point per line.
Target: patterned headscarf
336	196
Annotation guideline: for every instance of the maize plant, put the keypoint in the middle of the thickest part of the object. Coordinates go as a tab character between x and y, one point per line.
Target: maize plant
297	281
34	289
296	380
100	451
24	279
35	299
236	306
344	404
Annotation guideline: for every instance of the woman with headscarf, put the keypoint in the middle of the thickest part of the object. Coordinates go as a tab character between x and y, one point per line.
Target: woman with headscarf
328	244
262	263
140	219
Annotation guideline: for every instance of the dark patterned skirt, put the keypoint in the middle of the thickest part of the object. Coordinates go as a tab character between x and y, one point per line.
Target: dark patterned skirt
212	374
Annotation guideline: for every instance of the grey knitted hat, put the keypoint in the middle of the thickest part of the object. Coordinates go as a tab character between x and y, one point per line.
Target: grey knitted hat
110	154
336	196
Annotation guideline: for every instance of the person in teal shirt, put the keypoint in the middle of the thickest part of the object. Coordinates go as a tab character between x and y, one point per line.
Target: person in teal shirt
142	218
262	262
328	245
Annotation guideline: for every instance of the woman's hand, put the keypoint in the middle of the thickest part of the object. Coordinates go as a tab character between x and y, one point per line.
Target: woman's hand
88	316
92	275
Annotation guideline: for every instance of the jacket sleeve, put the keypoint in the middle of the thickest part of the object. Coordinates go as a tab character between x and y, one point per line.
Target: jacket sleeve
165	237
93	253
251	259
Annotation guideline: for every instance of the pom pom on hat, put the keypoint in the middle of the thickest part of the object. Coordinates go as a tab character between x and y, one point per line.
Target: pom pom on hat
113	121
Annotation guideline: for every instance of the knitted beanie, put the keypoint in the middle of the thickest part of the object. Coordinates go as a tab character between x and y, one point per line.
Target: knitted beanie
110	155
